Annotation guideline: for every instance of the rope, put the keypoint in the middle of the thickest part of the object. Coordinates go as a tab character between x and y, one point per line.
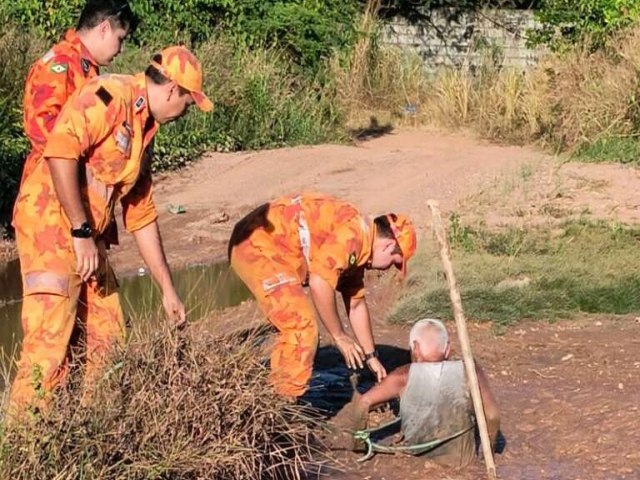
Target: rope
373	448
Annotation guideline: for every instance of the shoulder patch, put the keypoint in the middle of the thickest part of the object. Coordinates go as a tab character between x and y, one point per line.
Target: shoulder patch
104	95
58	67
352	259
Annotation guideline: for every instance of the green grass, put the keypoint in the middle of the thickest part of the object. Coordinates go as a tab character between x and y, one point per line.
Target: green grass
624	150
514	274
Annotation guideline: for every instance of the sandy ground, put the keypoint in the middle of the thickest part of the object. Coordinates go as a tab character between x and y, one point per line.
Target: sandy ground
397	172
568	391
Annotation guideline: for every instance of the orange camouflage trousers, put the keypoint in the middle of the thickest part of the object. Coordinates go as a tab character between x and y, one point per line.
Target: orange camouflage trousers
55	324
273	280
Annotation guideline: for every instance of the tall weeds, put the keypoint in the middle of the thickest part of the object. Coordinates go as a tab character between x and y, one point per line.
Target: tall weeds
568	101
172	407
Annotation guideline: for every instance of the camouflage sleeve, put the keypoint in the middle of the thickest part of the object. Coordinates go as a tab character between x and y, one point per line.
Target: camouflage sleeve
46	91
84	121
340	250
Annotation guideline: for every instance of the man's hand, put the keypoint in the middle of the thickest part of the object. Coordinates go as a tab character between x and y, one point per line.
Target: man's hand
376	368
174	308
86	256
150	246
351	351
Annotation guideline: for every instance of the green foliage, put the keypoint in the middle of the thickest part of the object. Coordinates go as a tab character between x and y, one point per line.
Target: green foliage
460	235
16	54
49	18
566	22
307	30
261	101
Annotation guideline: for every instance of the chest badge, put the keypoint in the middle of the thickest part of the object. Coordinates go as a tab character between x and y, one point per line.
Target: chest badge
123	141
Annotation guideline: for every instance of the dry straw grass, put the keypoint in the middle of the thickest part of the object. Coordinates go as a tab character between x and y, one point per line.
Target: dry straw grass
172	407
566	102
594	96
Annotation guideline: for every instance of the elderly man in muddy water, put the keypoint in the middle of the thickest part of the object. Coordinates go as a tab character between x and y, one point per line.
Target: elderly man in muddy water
435	403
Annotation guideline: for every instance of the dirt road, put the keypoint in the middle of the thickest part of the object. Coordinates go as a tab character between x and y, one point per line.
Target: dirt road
398	172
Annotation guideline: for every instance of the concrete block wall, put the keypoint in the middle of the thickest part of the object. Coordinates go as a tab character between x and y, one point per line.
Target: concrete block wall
463	40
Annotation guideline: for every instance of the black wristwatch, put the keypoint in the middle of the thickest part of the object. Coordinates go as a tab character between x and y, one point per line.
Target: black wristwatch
369	356
85	231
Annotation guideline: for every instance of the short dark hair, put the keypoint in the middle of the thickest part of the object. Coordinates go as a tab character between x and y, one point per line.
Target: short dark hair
118	12
153	74
383	228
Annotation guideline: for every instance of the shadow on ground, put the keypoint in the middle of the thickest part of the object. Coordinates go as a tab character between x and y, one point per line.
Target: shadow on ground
332	382
373	130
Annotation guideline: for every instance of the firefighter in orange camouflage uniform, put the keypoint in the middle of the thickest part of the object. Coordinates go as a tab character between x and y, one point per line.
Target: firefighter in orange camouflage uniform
96	154
68	65
325	242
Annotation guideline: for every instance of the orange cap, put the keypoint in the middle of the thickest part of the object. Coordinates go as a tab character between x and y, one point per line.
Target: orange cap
405	234
181	66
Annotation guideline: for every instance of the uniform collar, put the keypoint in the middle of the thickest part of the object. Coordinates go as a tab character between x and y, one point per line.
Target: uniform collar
72	38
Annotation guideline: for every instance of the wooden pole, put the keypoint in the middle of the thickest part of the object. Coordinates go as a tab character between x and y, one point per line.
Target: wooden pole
463	335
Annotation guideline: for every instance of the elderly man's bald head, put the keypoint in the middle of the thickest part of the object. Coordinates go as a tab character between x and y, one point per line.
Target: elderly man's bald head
429	341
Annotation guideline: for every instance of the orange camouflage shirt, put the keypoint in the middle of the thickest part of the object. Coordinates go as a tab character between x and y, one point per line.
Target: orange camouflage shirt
52	79
341	239
107	127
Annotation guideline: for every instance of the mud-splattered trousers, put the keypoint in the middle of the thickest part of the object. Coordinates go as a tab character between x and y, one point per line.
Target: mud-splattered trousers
310	233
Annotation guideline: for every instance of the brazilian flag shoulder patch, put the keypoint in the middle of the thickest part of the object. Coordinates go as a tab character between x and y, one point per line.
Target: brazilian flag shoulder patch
352	259
58	67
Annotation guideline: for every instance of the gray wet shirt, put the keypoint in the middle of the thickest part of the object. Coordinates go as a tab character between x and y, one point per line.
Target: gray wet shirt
436	404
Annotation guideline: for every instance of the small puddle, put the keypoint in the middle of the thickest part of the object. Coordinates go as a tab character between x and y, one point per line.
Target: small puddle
203	289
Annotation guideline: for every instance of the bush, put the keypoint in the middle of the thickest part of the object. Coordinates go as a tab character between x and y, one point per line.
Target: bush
17	52
260	101
307	31
172	407
567	22
621	150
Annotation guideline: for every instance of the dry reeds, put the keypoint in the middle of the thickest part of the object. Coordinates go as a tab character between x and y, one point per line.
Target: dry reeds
567	101
172	407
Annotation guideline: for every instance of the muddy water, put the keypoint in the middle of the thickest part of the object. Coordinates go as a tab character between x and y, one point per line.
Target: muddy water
203	288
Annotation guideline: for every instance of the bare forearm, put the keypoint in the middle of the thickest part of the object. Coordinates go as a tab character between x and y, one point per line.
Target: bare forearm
361	324
150	247
324	300
66	183
391	387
